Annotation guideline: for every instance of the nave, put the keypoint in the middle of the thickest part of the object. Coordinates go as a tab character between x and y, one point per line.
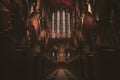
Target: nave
62	74
60	39
104	65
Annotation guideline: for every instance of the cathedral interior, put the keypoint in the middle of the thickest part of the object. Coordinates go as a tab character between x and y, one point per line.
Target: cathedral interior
60	39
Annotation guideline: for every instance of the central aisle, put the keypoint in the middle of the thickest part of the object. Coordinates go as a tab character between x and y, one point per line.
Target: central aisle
62	74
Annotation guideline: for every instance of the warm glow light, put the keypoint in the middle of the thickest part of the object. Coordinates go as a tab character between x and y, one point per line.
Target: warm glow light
42	34
35	22
38	4
89	8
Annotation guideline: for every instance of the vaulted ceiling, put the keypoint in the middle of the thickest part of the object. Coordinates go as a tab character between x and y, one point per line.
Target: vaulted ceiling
59	3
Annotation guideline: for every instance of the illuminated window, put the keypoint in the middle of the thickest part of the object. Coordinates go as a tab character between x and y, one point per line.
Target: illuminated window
53	25
69	25
63	23
58	24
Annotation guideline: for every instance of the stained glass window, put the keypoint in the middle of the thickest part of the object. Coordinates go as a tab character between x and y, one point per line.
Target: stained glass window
69	34
58	24
53	25
63	23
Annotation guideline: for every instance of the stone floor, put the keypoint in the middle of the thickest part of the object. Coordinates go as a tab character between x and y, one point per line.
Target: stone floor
62	74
